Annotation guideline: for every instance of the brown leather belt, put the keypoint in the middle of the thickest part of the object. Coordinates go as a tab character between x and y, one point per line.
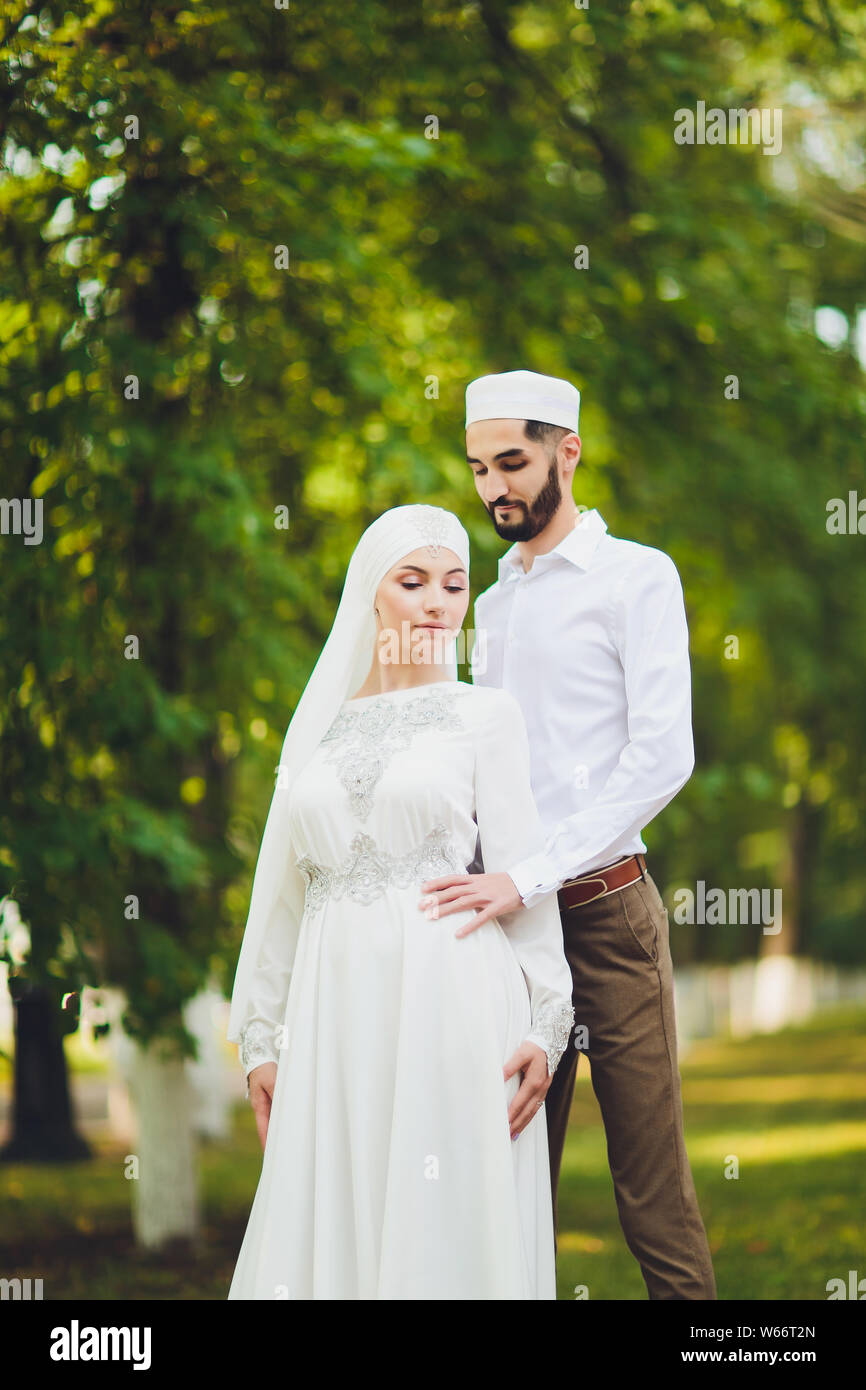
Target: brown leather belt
599	882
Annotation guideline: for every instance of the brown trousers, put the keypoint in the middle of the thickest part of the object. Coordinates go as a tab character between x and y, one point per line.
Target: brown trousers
622	975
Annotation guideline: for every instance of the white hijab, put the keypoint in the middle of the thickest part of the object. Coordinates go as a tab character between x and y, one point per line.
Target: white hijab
340	670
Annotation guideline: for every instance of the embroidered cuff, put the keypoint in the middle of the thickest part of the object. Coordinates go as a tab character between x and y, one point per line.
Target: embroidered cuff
256	1045
551	1029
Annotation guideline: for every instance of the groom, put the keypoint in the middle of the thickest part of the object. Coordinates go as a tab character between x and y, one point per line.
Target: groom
589	633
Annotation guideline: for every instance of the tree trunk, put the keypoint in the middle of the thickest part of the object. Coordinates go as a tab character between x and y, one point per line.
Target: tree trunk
164	1168
791	874
777	1000
43	1130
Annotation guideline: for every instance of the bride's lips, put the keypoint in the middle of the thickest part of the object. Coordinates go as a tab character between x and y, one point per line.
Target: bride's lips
438	627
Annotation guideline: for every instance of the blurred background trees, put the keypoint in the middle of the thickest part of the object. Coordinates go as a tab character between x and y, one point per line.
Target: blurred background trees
250	259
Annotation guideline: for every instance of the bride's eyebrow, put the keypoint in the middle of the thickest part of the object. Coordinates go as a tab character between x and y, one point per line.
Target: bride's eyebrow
419	570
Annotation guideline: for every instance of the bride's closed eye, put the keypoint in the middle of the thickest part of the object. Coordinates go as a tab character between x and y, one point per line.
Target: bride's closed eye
452	588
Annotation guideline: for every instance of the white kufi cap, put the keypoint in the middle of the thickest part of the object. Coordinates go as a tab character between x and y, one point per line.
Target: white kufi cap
523	396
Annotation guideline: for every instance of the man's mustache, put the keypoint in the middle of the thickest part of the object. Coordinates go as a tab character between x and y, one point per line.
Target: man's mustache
504	502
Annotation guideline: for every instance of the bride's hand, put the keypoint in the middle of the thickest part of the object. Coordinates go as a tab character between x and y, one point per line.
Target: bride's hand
262	1080
489	894
532	1061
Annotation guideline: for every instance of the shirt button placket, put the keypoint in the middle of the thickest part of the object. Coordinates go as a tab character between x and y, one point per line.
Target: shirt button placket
511	639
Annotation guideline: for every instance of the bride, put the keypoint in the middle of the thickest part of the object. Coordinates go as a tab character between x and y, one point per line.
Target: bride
397	1070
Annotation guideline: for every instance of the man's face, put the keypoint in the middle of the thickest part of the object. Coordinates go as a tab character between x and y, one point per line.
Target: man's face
519	481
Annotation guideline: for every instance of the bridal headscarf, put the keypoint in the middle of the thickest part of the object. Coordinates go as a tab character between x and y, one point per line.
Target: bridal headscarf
340	670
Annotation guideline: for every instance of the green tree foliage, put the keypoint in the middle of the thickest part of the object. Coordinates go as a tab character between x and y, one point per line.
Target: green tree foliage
251	256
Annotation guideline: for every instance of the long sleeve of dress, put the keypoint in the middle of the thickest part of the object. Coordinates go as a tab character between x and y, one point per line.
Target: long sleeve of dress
260	1035
509	829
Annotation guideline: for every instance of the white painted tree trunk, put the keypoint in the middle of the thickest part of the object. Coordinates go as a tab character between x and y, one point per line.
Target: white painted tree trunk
203	1017
165	1195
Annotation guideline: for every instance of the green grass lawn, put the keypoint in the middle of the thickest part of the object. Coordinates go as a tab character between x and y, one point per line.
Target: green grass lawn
791	1106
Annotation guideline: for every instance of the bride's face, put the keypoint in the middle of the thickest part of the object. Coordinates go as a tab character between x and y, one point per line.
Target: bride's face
420	603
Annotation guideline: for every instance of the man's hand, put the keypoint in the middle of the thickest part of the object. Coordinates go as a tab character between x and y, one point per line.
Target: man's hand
489	894
532	1061
262	1080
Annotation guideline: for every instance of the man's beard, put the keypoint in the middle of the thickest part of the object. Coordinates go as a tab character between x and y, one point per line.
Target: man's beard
533	518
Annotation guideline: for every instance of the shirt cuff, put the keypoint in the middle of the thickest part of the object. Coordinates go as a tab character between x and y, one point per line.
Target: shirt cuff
534	878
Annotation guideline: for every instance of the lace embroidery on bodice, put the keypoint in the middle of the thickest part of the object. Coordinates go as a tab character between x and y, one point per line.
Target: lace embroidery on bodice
365	740
370	871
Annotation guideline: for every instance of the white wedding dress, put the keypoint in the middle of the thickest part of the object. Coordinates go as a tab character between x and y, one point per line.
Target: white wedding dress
389	1171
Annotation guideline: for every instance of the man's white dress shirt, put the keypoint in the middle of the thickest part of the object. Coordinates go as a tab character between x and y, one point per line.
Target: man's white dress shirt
593	643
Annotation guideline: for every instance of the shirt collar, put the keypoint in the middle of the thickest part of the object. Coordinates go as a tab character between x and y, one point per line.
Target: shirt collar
578	547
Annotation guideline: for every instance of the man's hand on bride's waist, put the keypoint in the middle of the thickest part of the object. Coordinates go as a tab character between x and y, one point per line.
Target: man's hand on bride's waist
487	895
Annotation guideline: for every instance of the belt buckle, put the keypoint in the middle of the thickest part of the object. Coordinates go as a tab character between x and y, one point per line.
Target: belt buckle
604	890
